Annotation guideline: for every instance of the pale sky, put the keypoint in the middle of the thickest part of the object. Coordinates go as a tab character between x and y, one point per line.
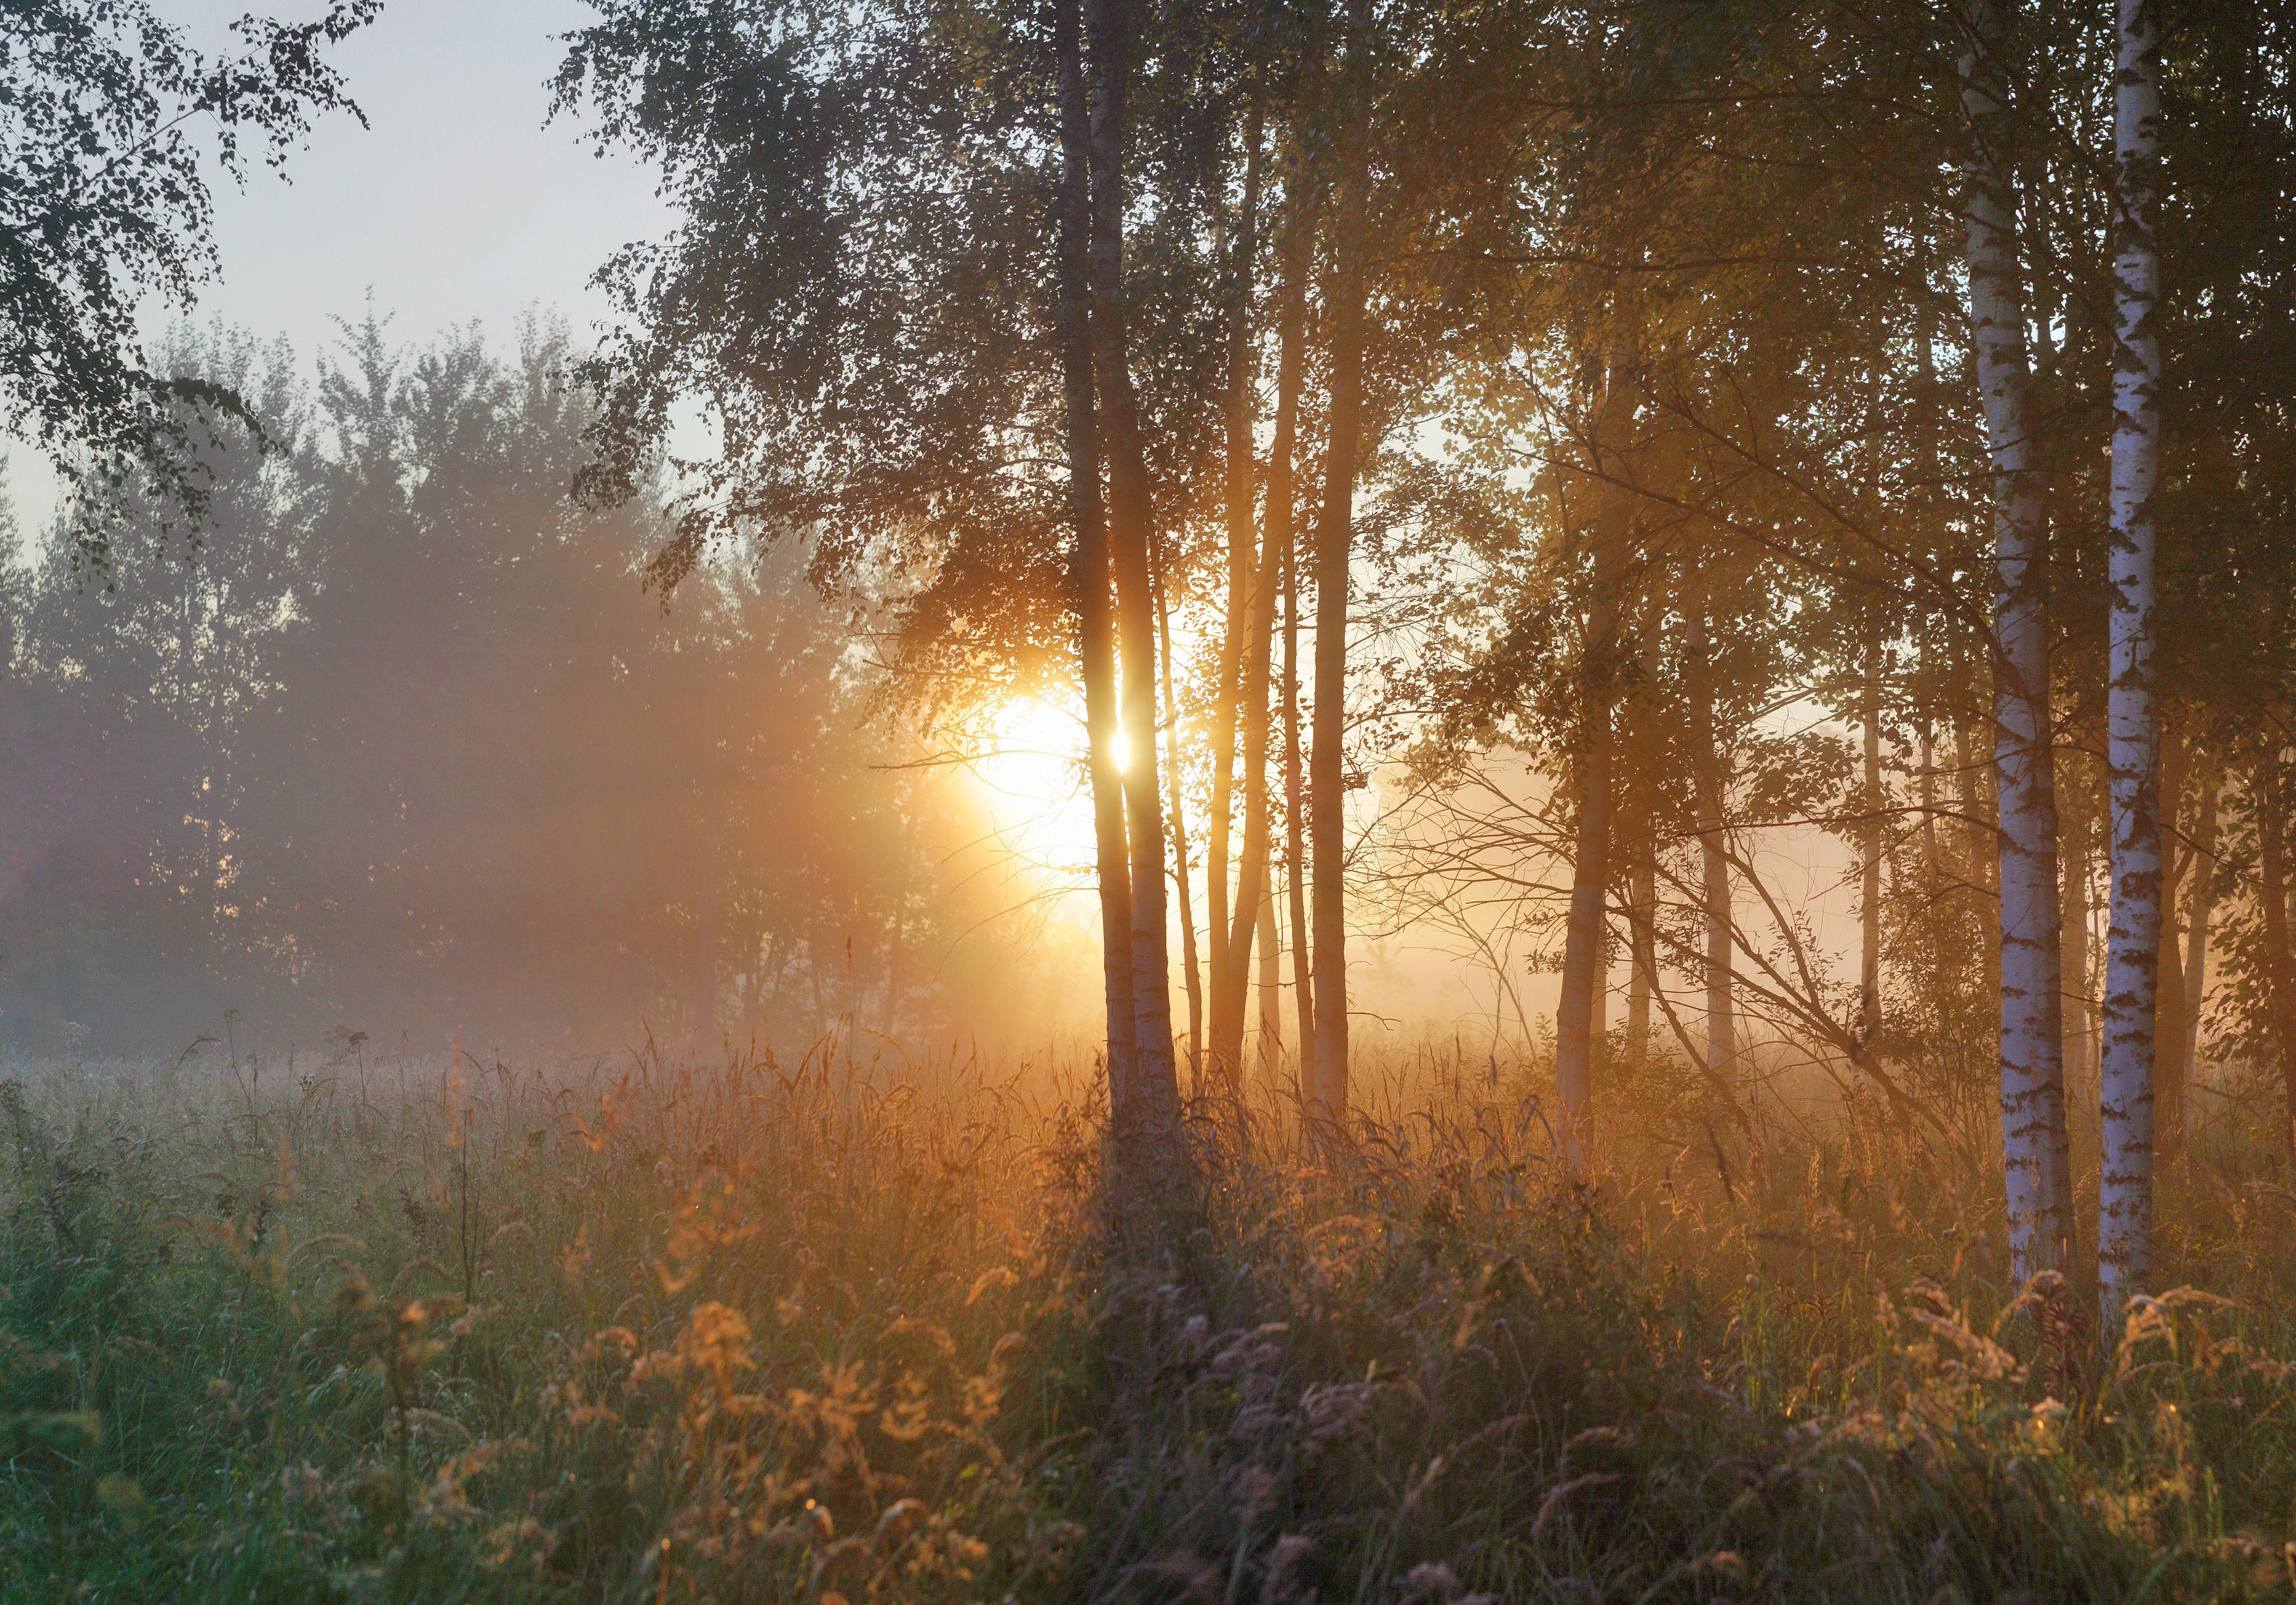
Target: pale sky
454	204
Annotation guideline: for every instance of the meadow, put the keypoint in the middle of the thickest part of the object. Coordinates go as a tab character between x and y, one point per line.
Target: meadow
837	1332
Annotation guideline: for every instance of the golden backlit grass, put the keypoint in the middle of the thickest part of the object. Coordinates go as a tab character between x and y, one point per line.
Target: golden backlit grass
746	1331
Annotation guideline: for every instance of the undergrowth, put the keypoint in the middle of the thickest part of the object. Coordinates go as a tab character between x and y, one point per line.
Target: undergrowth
740	1332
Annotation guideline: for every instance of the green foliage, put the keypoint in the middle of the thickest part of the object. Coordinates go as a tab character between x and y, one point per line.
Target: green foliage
105	112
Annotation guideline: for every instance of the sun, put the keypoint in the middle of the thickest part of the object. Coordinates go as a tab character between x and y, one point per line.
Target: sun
1039	795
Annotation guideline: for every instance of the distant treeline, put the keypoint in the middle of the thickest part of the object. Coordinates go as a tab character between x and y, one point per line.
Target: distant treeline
400	742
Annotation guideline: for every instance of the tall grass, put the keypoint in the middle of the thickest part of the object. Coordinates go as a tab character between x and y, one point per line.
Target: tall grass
743	1331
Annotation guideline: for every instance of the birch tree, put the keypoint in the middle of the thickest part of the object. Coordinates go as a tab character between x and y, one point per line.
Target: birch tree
2032	1070
2133	941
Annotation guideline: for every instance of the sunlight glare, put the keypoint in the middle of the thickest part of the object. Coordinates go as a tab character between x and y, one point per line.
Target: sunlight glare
1039	796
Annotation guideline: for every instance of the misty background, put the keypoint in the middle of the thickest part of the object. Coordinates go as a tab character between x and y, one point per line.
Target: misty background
402	746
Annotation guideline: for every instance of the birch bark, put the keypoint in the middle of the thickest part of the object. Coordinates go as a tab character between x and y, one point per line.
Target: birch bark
2133	942
2031	1049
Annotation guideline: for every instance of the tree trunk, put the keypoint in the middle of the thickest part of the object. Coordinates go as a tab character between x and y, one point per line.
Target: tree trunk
1295	845
1869	837
1933	864
1270	1051
1253	880
2168	992
2133	944
2279	962
2074	823
1590	869
1641	852
1642	944
1335	548
1095	624
1231	697
2032	1066
2205	881
1709	788
1130	537
1191	970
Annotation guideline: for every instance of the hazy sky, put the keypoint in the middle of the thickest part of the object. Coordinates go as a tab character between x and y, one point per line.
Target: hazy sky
455	203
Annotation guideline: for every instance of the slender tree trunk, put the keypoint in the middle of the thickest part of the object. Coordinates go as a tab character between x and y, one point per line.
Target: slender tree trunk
1271	986
1253	880
2168	992
1334	549
1981	861
1131	536
2032	1066
1584	932
1641	945
1931	861
2280	961
1191	970
1232	698
1095	622
2133	944
1709	788
2204	904
1869	838
1641	847
1295	843
2073	828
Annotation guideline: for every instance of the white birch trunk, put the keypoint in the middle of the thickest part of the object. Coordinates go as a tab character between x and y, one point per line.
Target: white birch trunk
2032	1070
2133	943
